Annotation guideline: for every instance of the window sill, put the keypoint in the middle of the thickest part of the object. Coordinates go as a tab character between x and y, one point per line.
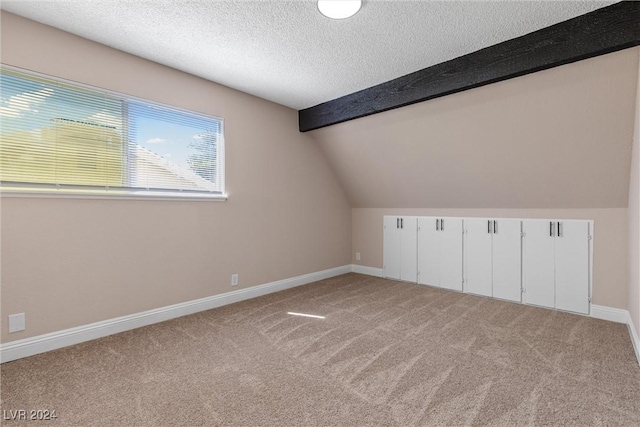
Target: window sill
61	194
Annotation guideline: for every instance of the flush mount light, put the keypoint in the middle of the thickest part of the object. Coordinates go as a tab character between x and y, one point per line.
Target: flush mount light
339	9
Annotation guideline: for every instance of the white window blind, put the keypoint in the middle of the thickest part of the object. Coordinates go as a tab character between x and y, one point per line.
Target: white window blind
60	136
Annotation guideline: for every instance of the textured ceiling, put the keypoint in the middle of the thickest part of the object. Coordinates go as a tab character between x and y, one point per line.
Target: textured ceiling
285	51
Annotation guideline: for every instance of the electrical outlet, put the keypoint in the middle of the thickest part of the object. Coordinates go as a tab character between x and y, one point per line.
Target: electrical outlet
16	323
234	280
357	256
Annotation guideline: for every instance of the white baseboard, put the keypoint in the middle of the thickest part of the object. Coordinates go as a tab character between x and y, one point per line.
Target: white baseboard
620	316
617	315
363	269
42	343
635	338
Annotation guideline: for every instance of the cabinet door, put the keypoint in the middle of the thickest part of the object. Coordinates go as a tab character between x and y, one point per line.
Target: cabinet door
538	258
477	256
451	253
429	251
507	259
391	245
409	249
572	266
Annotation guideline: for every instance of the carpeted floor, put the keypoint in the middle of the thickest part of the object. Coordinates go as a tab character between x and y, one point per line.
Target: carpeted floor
387	353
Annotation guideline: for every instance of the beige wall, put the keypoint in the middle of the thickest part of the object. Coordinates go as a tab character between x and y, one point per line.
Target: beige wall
609	243
554	144
70	262
634	222
559	138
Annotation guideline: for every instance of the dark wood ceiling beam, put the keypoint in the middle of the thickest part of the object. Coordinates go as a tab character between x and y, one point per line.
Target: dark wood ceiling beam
602	31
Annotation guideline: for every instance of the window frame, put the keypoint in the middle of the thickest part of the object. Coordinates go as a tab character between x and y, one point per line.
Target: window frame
34	190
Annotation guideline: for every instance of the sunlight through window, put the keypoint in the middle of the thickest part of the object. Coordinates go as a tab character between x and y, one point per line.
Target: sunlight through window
314	316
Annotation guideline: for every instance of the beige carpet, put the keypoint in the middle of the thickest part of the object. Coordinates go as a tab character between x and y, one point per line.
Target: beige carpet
388	354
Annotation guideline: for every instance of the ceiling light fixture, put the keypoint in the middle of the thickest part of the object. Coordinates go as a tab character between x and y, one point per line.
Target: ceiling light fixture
339	9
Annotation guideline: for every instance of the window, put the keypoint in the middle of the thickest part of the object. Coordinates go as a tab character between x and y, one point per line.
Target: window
62	137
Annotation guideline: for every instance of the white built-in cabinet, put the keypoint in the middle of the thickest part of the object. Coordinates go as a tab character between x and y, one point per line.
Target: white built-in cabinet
440	252
539	262
400	248
556	264
492	254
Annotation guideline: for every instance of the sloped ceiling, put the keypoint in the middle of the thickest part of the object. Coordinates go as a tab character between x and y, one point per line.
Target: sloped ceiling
559	138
